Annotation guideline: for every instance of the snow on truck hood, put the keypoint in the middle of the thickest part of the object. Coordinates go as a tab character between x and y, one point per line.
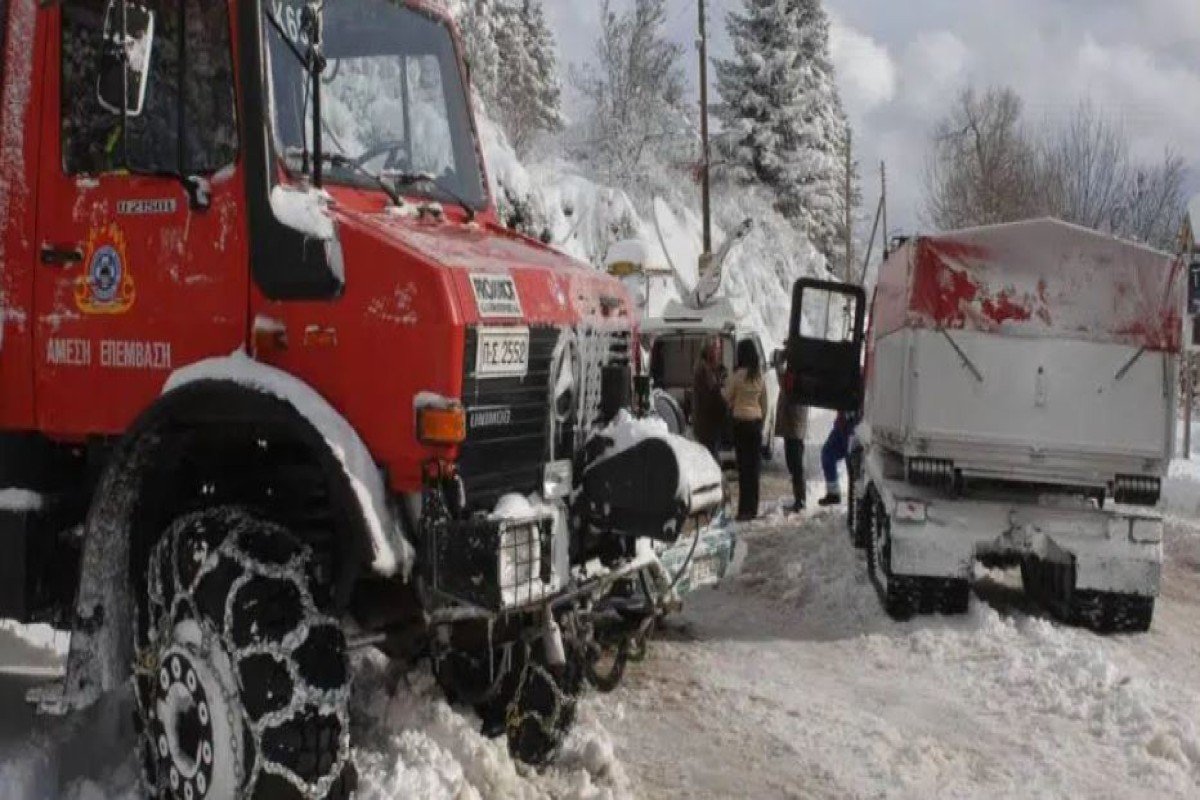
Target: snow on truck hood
1041	278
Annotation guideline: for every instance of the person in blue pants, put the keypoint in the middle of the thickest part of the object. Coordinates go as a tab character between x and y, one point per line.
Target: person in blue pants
833	452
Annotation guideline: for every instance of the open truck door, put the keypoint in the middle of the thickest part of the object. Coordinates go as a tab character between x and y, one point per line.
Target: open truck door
825	341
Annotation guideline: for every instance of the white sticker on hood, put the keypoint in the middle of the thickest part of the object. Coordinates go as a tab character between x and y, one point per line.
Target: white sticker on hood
496	296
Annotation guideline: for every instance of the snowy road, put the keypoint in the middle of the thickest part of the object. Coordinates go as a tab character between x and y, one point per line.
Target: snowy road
791	682
788	682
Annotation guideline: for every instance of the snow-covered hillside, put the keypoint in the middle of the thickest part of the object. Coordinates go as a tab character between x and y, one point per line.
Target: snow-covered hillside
584	218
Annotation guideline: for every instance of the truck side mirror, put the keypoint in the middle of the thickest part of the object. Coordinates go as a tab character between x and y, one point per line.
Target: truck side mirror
125	57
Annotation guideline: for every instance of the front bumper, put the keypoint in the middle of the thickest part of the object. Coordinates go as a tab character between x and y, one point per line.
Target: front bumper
486	568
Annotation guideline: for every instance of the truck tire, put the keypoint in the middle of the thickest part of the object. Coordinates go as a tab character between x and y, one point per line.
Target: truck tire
895	597
859	515
242	683
1110	612
466	678
533	704
540	704
1052	585
907	596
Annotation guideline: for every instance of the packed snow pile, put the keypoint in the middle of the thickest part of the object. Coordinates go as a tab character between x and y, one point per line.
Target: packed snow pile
420	747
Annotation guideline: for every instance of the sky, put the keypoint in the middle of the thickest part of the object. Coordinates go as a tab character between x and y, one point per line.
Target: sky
901	62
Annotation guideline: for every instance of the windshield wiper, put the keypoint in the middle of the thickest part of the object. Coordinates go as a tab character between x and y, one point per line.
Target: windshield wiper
414	178
339	161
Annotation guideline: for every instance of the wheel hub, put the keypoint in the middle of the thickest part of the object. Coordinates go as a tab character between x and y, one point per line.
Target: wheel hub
182	723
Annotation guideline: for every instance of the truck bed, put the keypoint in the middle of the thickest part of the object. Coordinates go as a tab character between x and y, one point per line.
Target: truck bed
1035	352
1045	411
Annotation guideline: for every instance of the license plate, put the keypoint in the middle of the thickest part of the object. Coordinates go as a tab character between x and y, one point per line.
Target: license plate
704	571
503	353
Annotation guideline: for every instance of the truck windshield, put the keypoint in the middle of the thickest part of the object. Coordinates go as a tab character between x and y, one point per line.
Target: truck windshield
392	97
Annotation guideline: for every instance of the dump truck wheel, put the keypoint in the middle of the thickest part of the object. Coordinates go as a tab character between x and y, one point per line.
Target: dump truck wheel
242	683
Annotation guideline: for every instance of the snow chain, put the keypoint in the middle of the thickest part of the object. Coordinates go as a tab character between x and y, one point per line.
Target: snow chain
160	630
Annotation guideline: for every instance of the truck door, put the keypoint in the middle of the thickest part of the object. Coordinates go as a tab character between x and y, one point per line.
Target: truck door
825	340
142	262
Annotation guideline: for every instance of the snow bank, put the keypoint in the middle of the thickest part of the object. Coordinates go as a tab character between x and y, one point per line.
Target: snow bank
412	744
392	552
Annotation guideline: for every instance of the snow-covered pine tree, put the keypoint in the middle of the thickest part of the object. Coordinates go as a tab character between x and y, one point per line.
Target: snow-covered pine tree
528	94
477	22
514	67
824	191
783	116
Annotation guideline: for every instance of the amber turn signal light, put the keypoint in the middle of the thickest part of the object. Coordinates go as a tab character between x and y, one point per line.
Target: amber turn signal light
443	426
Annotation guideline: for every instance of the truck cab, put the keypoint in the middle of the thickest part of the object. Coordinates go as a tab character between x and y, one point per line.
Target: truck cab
407	432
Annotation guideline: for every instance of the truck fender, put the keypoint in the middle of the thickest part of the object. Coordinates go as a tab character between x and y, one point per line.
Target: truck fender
102	635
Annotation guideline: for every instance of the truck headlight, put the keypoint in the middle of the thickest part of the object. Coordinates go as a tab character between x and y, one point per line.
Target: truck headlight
557	480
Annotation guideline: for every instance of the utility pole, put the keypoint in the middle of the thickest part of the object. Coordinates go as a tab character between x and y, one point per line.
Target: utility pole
849	274
883	183
705	157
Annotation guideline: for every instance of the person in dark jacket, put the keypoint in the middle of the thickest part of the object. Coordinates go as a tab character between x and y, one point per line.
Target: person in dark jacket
835	450
791	425
708	406
746	394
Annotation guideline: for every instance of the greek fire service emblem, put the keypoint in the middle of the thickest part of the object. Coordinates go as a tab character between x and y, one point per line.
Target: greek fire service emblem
107	287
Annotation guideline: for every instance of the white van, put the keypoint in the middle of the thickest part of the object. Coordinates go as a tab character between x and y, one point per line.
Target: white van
674	343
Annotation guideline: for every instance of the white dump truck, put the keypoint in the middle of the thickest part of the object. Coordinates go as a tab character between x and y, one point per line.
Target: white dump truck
1019	409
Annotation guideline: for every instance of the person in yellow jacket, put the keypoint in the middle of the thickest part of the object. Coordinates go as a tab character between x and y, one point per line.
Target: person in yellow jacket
746	396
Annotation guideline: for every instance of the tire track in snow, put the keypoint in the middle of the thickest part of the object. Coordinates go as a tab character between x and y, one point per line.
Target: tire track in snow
799	686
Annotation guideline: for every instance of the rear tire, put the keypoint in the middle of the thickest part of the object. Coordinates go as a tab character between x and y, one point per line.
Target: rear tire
1110	612
242	683
906	596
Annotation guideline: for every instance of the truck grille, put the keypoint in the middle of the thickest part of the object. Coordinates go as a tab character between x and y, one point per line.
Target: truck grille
506	424
508	419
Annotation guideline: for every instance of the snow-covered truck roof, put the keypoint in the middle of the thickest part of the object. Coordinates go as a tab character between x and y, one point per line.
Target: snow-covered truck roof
1041	278
717	317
